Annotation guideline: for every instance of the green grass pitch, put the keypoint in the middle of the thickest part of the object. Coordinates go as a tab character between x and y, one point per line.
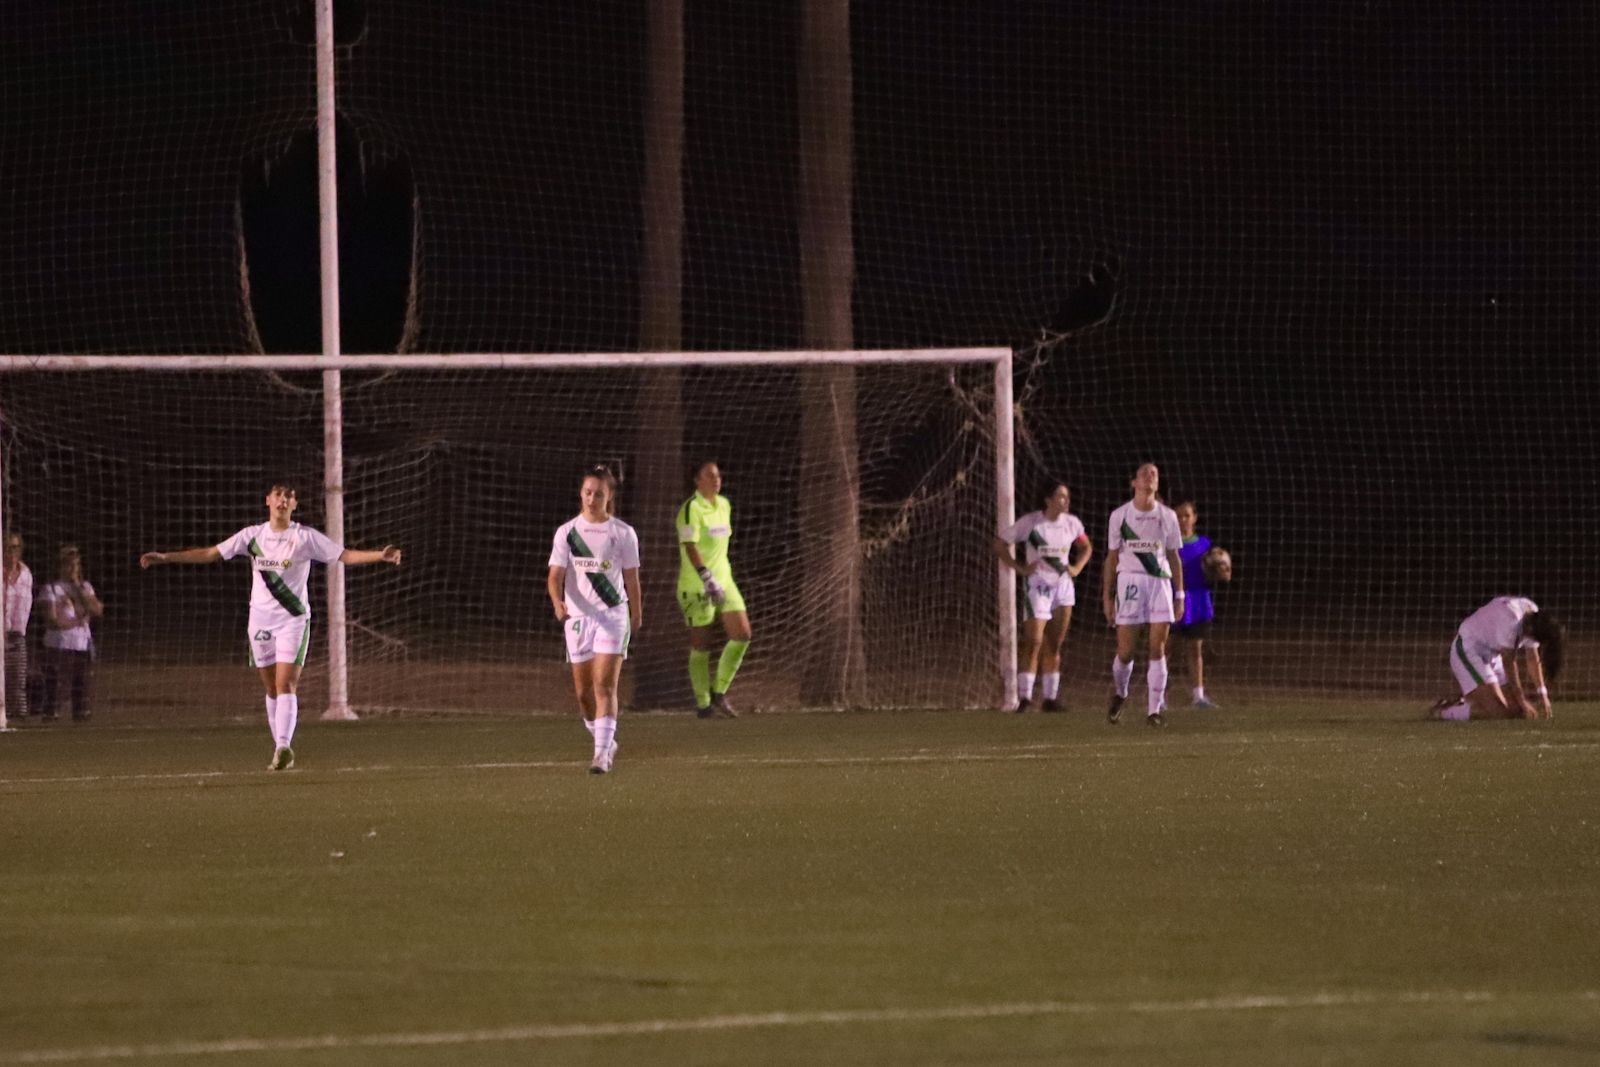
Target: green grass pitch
1282	882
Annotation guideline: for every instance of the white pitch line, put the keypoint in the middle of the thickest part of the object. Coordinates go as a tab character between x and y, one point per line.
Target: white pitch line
762	1021
1033	751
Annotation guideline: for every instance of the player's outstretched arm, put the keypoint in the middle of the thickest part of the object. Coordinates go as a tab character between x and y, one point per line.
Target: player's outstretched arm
208	554
355	557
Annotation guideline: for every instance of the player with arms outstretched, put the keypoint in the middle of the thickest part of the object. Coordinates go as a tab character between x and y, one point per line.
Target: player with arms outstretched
1142	580
1055	551
593	584
1507	630
707	591
281	552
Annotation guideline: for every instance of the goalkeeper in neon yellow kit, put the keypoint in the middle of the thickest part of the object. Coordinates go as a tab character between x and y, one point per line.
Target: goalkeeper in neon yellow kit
706	591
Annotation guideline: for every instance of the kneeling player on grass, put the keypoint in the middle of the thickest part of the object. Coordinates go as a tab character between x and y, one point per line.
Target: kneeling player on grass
1143	578
279	633
1055	551
707	592
599	607
1511	630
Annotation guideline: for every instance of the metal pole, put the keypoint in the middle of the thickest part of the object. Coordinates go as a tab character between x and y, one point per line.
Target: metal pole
332	402
1005	505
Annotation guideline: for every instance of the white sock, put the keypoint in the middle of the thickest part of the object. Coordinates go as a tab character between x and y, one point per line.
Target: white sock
1156	680
272	717
1121	674
1459	712
1025	685
588	724
288	714
1052	684
605	728
1199	693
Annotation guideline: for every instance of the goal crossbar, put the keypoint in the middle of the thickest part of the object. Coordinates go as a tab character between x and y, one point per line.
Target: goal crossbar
507	360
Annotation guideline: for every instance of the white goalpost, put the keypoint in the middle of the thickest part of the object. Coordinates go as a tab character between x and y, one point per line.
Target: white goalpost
469	461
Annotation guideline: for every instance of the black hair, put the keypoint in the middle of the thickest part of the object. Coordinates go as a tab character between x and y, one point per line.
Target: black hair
699	465
1048	489
288	485
1552	638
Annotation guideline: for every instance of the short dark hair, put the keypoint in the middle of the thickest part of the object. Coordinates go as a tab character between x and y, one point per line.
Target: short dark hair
288	485
1048	489
699	465
1552	638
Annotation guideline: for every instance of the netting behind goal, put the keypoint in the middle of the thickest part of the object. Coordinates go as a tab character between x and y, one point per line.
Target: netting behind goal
471	473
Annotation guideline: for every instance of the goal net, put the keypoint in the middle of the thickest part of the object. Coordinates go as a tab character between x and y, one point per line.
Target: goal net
470	471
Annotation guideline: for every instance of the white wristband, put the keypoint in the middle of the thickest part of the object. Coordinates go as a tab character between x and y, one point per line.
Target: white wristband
1179	595
1542	691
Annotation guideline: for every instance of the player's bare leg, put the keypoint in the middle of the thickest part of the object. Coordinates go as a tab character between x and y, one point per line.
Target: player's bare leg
1122	670
1055	636
1029	637
1156	673
736	628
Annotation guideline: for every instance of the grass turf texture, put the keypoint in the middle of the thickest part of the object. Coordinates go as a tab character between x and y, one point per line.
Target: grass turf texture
1293	882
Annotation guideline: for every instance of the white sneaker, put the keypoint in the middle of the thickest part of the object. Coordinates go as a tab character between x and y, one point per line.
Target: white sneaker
602	763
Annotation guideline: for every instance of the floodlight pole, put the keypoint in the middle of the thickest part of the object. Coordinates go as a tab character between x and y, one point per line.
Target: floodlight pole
332	399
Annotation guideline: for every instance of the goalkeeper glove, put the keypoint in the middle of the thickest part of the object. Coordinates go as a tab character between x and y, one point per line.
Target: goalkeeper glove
714	591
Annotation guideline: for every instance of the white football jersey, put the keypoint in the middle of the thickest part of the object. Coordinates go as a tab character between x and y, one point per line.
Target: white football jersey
280	564
1497	626
1142	539
1045	540
595	554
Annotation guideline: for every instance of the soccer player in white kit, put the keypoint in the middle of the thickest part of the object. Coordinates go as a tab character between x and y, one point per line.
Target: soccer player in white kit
1142	582
594	589
1506	629
1055	551
281	552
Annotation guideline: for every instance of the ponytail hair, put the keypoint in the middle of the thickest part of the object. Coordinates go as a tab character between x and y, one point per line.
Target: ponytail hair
1552	638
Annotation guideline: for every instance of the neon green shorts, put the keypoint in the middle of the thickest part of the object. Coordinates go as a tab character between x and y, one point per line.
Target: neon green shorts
698	610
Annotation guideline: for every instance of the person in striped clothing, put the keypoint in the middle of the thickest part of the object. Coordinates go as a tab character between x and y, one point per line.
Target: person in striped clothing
281	552
593	584
1055	549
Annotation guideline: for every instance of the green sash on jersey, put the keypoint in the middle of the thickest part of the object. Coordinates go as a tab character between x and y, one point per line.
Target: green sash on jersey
278	587
1038	543
602	585
1152	565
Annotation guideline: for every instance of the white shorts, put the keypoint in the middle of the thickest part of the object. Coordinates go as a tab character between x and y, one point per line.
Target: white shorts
1143	598
605	634
279	642
1044	594
1471	670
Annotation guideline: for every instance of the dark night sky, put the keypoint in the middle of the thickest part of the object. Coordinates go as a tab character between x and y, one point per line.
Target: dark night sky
1353	245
